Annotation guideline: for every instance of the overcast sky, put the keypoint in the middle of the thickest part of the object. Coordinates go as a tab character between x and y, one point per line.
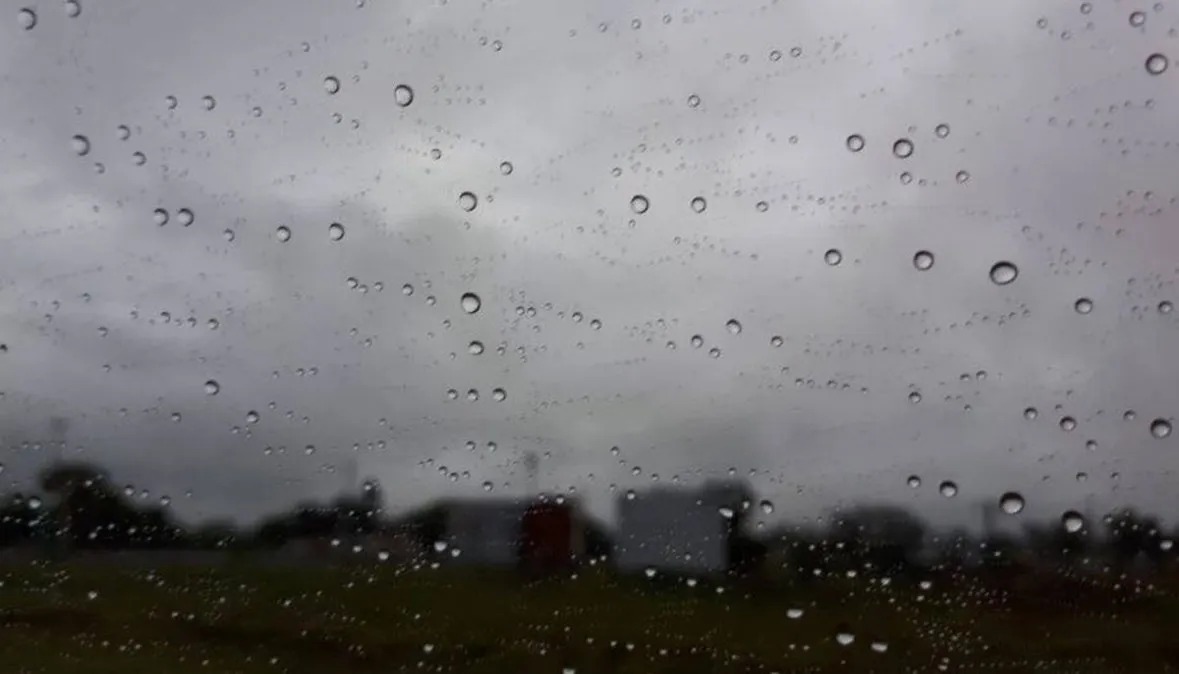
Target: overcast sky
1059	154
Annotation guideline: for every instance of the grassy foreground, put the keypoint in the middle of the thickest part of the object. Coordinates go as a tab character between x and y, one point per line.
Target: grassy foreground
72	618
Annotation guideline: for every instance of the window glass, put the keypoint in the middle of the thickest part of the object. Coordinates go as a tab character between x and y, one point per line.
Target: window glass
582	337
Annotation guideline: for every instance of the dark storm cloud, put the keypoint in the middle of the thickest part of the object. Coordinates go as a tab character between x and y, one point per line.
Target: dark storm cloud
1052	148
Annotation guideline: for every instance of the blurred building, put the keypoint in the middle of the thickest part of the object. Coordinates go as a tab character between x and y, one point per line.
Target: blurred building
537	535
682	530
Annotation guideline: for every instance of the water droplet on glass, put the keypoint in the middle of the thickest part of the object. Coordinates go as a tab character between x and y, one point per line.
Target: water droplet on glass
914	481
1165	307
331	84
1003	273
81	145
1137	18
794	613
470	302
506	168
767	507
903	148
914	397
160	216
1129	415
776	341
171	102
475	348
855	142
184	216
733	326
693	101
948	489
1030	413
879	647
403	95
697	341
923	260
833	257
138	158
1160	428
467	201
844	637
499	395
1011	503
1083	305
1156	64
212	387
1067	423
335	231
726	512
699	204
962	177
26	18
942	130
209	102
283	233
1072	521
176	417
639	204
73	8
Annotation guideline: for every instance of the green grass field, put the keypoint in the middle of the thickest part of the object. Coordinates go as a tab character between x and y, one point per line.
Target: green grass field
375	619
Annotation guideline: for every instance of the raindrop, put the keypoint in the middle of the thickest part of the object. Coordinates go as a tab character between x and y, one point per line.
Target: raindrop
475	348
844	637
1160	428
1003	273
228	235
697	341
184	216
776	341
73	8
499	395
1067	424
693	101
794	613
1137	18
833	257
335	231
1083	305
1156	64
138	158
903	148
855	142
1072	521
472	394
407	290
923	260
283	233
467	201
714	352
879	647
1031	413
914	481
81	145
775	55
506	168
123	132
914	397
699	204
1011	503
726	512
470	302
160	216
212	387
639	204
1165	307
948	489
171	102
26	18
962	177
331	84
733	326
209	102
942	130
767	507
403	95
1129	415
176	417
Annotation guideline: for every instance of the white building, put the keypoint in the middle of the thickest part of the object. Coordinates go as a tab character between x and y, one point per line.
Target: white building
679	529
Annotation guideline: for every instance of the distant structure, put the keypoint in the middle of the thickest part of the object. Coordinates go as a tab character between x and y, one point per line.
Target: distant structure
681	530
